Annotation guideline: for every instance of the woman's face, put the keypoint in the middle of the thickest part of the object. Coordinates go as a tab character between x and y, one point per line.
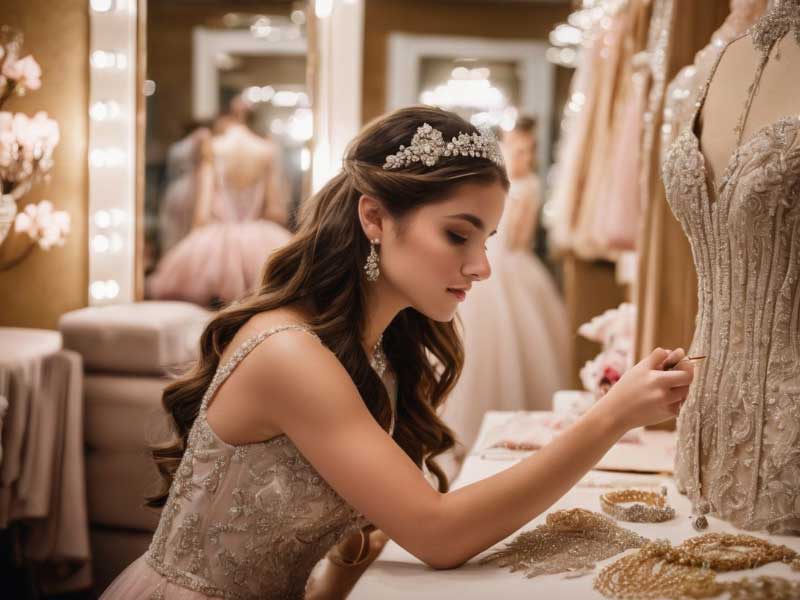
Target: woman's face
431	258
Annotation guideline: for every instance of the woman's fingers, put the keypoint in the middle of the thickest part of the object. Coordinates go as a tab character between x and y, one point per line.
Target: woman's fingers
677	377
674	357
675	408
657	358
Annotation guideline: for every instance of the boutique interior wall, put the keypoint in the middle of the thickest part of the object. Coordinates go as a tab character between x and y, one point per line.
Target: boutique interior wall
506	20
47	284
169	44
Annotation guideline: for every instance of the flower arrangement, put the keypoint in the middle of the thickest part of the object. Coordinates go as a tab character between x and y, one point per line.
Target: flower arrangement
26	155
614	330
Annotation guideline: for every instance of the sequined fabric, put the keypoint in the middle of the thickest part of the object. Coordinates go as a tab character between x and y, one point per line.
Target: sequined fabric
245	522
739	431
570	541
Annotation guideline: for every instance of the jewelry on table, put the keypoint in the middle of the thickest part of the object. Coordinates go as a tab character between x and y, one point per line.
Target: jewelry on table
732	552
701	508
659	570
571	541
648	507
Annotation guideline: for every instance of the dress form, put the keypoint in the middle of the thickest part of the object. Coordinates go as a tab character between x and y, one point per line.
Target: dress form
245	159
777	96
733	182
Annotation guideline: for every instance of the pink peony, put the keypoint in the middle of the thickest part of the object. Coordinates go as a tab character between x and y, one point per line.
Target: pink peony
43	225
25	72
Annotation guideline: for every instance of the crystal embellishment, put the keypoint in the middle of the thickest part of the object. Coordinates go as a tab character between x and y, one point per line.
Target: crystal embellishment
428	146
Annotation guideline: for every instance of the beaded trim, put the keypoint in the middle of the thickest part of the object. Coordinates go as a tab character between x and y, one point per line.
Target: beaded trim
428	146
242	351
780	20
648	507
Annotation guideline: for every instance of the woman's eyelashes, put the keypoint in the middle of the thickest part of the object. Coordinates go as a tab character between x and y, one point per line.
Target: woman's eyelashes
459	240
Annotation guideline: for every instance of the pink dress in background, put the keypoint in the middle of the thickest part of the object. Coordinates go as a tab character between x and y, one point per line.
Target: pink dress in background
617	226
223	260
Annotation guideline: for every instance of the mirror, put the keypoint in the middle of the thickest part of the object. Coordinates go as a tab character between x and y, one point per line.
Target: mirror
228	128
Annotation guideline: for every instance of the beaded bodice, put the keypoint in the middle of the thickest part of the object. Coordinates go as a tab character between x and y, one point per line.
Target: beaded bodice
739	431
249	521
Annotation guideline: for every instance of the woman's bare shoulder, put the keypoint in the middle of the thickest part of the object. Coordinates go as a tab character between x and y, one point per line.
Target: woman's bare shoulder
263	322
279	374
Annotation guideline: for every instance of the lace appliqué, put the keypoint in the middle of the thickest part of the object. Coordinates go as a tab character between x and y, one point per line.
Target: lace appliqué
780	20
740	427
246	522
570	541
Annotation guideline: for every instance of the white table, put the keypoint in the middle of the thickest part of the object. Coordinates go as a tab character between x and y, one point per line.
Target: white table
399	575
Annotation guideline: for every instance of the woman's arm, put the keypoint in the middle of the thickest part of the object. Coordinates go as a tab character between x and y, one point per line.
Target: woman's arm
313	401
204	183
523	218
276	193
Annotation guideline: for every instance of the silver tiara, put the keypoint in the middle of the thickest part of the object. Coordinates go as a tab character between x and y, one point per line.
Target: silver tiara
428	145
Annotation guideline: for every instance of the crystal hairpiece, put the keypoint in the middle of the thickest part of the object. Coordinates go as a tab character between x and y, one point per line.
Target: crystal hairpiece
428	146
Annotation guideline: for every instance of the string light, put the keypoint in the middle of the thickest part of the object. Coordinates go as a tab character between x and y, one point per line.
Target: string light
323	8
112	129
102	5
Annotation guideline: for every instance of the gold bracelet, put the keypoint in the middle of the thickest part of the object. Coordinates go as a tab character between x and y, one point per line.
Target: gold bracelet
335	555
649	507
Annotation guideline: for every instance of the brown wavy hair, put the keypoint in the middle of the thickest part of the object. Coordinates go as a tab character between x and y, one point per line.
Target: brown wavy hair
321	269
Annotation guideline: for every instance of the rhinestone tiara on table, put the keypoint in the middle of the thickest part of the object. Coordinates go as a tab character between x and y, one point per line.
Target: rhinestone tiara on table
428	146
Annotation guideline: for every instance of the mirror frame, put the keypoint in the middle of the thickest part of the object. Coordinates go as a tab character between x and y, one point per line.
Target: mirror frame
406	51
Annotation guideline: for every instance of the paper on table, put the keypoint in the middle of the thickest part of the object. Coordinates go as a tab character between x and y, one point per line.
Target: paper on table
648	452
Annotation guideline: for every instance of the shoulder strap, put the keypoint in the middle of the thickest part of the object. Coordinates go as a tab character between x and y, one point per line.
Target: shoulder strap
702	93
246	347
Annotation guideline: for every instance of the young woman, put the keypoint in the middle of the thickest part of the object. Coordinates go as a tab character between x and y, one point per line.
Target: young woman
312	412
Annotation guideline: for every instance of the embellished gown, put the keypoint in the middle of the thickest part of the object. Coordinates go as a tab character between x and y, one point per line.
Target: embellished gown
241	522
739	431
222	260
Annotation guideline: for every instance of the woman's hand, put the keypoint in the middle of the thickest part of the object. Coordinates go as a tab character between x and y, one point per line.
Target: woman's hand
647	394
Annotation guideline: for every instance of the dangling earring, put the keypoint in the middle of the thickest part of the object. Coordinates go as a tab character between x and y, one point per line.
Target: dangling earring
373	272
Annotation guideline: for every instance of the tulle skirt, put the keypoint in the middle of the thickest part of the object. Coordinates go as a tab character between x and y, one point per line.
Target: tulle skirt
216	262
140	582
516	344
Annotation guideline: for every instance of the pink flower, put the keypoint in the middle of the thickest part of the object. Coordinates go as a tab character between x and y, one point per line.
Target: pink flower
611	375
43	225
616	322
26	72
44	131
26	145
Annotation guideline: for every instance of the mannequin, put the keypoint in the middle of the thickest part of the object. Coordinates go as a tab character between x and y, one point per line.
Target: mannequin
733	181
778	96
